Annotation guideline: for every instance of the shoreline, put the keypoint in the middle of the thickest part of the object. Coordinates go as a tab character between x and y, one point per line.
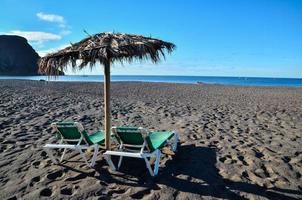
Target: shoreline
241	81
151	82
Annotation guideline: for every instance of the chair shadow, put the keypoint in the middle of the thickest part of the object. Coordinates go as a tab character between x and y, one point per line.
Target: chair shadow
191	170
199	163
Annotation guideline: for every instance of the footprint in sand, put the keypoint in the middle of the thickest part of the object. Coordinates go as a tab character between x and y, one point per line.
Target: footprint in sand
36	164
193	137
227	159
43	154
286	159
55	175
141	194
66	191
241	158
223	159
102	183
34	180
77	177
12	198
115	193
46	192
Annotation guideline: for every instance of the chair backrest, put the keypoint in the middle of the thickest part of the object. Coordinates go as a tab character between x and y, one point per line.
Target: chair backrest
71	132
131	136
68	130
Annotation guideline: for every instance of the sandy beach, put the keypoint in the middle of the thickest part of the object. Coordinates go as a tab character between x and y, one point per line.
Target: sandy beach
235	142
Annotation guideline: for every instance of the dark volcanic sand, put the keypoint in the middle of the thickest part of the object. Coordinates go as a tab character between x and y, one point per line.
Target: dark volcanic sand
236	142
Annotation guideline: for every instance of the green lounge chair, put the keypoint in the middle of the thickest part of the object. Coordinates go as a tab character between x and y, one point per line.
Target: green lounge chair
139	143
73	136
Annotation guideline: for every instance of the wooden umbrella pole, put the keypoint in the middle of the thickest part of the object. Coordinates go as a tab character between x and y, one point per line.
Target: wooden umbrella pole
107	103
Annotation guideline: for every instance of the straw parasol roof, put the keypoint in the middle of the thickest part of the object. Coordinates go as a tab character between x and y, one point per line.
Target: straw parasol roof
105	48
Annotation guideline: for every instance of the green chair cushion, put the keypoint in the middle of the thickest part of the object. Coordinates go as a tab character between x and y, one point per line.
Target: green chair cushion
158	139
132	135
95	138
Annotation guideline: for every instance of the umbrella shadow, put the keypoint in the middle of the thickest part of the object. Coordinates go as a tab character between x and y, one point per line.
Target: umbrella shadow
192	170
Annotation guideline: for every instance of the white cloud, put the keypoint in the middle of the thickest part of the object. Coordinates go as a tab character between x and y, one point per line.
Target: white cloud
35	36
55	19
62	25
51	50
65	32
51	17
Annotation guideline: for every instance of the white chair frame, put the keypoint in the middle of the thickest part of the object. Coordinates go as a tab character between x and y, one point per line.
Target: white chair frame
143	152
78	146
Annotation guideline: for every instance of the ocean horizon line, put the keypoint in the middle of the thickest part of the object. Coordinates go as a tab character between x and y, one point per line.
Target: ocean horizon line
243	81
210	76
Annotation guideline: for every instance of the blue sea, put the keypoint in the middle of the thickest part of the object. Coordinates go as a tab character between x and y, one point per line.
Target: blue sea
244	81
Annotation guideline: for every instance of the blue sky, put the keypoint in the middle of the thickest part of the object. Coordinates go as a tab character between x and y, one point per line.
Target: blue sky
261	38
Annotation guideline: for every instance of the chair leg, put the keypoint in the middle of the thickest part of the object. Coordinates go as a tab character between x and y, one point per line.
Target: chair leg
109	161
63	154
149	166
95	153
156	164
175	141
120	162
49	153
83	155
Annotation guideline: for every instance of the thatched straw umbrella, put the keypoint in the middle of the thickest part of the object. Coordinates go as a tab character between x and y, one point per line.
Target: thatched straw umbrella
105	48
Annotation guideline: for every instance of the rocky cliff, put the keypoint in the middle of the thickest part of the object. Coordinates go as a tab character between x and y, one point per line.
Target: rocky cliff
17	57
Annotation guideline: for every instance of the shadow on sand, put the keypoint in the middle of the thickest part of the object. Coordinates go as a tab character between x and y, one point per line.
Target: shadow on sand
191	170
